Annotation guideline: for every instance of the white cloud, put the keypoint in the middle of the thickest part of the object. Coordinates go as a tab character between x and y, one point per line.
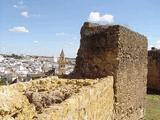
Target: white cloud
25	14
15	6
20	6
158	42
19	29
36	42
150	46
156	45
77	50
96	17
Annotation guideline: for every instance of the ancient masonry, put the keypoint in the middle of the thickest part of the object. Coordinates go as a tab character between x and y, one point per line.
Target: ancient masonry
154	70
121	53
108	83
58	99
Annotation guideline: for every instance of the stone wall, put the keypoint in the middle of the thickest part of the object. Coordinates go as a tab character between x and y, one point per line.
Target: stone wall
104	51
58	99
154	70
118	51
131	75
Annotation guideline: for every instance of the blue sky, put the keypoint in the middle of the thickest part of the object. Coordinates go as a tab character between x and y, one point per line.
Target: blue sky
44	27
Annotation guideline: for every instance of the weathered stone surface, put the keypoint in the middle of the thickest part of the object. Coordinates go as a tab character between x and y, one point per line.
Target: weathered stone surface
14	104
131	75
58	99
154	70
91	103
104	50
118	51
43	99
98	51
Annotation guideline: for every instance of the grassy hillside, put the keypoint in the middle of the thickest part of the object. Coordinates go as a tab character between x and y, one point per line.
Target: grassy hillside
152	107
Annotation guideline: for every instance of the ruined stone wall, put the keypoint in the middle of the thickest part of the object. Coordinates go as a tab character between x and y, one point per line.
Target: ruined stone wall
104	51
58	99
153	70
98	51
131	75
118	51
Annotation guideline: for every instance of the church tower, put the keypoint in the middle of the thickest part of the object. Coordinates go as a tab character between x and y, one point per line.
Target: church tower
61	62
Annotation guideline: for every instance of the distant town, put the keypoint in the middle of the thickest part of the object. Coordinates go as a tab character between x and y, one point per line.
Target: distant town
21	68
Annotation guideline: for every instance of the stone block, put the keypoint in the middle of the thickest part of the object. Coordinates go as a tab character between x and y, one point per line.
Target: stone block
117	51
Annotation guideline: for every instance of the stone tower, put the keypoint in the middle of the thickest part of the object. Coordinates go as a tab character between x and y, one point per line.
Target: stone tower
61	62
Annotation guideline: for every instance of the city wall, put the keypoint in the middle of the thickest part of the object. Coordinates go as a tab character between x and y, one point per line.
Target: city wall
90	94
153	83
58	99
121	53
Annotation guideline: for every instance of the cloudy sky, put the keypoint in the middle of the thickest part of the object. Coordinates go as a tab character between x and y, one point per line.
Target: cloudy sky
44	27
